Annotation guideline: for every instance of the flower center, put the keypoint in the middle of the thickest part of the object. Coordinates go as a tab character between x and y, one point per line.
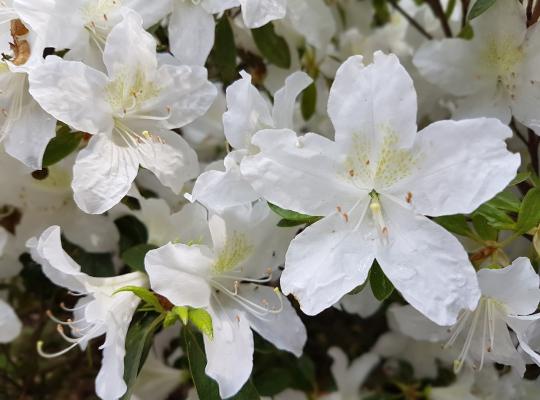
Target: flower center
504	56
371	166
478	322
96	15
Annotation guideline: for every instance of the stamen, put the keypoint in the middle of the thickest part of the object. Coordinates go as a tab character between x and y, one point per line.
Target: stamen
376	212
59	353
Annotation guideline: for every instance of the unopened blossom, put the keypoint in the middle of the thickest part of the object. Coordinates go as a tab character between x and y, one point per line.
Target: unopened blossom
495	74
226	277
374	185
510	297
99	310
131	114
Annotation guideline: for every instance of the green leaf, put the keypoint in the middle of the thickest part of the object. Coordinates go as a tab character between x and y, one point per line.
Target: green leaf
134	256
273	47
62	145
202	320
529	213
170	319
224	53
495	217
292	216
480	7
95	264
144	294
455	223
138	342
482	227
521	177
206	387
132	232
506	201
309	101
380	285
182	313
466	33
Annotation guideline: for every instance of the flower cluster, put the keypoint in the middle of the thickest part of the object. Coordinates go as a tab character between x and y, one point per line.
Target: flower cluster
234	198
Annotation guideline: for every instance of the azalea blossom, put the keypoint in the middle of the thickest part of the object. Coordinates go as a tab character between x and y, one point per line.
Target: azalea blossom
374	185
226	277
99	310
133	110
247	112
82	26
25	129
510	296
495	74
349	378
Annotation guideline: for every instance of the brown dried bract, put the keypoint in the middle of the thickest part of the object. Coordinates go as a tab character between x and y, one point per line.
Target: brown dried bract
20	47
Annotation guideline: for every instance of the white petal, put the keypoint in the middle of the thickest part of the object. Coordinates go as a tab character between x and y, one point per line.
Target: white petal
460	165
219	190
247	112
455	66
110	383
313	20
130	49
516	286
57	265
185	92
10	324
326	261
364	303
349	378
65	89
151	11
509	14
218	6
372	101
191	33
257	13
410	322
178	272
230	352
285	98
29	136
427	265
303	174
283	329
491	102
102	174
172	160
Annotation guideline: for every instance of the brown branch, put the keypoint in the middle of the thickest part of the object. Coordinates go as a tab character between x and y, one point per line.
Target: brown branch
465	10
535	14
411	20
438	11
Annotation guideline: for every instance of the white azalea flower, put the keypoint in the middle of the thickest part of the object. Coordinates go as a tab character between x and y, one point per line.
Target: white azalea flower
247	112
99	310
132	110
25	129
349	378
423	355
509	297
226	279
156	380
363	304
192	26
374	185
46	199
494	74
82	26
